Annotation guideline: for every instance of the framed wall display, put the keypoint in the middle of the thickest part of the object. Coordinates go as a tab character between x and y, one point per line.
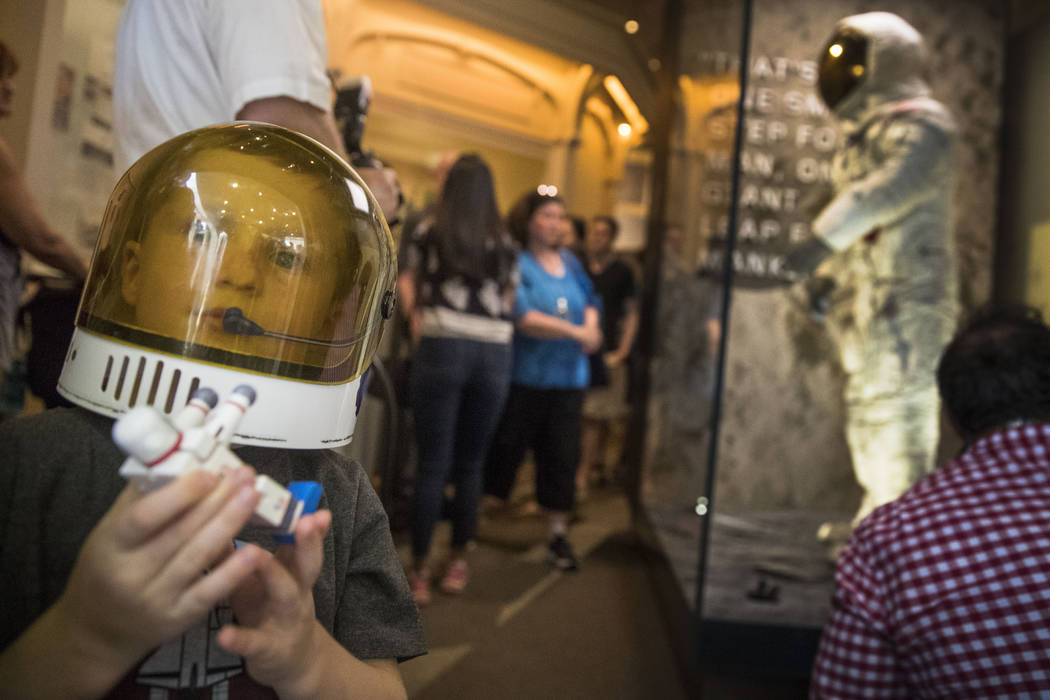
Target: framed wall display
71	148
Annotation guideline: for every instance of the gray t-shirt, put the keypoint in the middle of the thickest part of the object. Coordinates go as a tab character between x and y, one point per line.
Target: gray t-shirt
58	476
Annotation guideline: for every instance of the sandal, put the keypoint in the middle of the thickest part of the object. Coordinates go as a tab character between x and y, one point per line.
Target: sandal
456	576
419	582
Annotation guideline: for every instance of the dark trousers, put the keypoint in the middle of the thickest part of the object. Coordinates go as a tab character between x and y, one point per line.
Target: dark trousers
548	422
458	388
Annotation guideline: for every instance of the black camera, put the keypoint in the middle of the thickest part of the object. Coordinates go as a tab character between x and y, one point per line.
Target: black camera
352	99
353	96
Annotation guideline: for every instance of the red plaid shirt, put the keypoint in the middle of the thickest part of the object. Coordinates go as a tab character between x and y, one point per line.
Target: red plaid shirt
945	592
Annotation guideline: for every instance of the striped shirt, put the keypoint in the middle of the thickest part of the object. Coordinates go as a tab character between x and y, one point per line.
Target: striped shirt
945	592
452	307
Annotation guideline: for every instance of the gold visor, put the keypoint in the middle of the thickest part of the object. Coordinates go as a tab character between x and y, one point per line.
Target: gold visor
248	246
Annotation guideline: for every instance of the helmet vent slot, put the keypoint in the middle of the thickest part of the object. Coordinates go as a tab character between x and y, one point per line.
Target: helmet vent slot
152	395
115	379
105	375
137	384
120	378
174	387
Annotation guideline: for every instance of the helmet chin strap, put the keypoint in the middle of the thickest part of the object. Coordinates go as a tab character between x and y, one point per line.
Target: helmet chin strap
235	322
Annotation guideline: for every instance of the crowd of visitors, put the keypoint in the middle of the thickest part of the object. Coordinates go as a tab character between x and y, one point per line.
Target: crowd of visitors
505	347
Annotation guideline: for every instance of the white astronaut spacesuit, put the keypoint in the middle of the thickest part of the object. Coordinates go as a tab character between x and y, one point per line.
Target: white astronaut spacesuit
888	230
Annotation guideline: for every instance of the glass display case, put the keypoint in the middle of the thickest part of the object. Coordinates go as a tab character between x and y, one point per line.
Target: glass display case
747	485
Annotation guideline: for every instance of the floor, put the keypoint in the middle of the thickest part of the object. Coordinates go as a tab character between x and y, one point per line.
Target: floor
523	630
763	566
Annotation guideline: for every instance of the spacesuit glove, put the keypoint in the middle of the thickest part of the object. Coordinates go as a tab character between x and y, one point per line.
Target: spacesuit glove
138	582
802	259
819	290
276	631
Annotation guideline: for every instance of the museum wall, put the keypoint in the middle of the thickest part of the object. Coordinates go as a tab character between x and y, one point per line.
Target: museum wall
782	439
62	124
22	25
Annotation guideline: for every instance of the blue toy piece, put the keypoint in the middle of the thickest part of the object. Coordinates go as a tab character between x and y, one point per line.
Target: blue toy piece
309	493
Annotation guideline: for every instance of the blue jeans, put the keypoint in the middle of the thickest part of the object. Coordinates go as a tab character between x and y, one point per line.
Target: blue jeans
457	391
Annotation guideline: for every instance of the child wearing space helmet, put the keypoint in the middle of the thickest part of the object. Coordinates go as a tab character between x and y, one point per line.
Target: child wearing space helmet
231	255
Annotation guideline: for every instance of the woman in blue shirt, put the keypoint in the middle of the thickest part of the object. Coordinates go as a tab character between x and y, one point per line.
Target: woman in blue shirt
556	325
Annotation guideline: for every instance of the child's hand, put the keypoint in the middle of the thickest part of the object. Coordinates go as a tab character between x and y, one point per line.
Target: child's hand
139	578
277	633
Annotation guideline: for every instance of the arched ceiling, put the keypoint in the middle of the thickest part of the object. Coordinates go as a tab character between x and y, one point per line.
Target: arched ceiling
443	65
587	31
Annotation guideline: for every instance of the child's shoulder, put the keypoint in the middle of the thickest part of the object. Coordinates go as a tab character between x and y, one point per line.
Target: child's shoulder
58	436
300	465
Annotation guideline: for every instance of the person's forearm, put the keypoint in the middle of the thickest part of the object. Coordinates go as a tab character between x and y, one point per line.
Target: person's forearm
51	660
592	318
406	301
22	223
336	673
51	249
298	116
320	125
540	325
630	332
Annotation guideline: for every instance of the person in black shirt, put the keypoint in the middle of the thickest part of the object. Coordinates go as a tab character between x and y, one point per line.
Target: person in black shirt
605	403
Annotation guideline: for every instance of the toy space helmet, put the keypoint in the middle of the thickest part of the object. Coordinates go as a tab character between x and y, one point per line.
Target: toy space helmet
236	254
874	55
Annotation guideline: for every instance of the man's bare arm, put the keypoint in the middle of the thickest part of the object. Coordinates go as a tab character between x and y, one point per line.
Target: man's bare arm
320	125
22	223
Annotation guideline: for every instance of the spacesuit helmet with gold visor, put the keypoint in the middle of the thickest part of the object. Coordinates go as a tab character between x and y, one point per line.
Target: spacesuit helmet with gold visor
869	59
233	254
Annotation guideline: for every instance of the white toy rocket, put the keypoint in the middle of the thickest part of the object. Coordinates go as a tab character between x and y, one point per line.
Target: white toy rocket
198	437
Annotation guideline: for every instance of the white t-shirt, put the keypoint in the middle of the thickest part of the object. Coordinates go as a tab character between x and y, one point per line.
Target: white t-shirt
191	63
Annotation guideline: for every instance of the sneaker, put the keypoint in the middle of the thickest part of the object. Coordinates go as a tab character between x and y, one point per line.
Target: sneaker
528	509
559	554
419	582
456	576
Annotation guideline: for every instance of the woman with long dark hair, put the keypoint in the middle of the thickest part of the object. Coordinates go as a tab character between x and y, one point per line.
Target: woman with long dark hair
457	289
556	316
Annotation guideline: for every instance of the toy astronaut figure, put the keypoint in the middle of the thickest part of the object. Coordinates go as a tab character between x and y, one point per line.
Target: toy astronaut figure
197	438
888	235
